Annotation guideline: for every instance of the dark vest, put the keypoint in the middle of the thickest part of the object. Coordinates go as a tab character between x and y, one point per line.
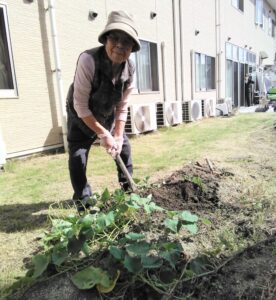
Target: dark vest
105	95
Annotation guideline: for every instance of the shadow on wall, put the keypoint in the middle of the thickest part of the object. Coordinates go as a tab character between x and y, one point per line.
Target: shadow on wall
54	137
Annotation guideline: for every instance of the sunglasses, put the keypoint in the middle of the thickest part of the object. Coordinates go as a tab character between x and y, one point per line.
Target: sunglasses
123	39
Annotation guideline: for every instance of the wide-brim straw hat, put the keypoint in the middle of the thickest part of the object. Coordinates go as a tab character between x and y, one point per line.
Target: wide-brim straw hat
121	20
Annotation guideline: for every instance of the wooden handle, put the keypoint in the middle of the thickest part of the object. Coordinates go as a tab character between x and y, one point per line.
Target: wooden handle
126	173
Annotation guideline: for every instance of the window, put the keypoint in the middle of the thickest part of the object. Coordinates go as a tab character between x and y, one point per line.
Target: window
259	18
146	65
270	26
204	72
238	4
7	75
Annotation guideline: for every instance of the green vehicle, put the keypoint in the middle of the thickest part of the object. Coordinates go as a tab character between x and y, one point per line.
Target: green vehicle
271	95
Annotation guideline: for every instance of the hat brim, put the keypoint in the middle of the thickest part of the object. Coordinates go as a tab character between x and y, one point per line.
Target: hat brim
123	27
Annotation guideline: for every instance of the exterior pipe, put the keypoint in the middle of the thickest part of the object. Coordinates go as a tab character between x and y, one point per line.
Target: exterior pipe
218	48
163	71
175	50
51	9
192	59
181	50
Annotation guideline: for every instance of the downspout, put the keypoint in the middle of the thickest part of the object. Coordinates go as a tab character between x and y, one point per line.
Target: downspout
181	50
163	71
51	9
175	51
218	48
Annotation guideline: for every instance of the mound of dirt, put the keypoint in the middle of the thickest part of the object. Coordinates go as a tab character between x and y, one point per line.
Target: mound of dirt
195	188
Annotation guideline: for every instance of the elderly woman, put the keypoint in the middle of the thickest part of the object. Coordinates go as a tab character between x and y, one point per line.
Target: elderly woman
97	102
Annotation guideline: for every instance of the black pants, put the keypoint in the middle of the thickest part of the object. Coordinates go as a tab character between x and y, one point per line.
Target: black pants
80	140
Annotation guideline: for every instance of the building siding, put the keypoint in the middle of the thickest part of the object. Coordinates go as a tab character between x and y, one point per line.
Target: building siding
32	120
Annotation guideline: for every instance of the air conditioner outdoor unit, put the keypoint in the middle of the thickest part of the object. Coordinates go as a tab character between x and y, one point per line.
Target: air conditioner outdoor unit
229	104
192	110
222	109
168	113
208	108
141	118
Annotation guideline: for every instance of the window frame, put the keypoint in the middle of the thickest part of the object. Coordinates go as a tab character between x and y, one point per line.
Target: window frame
238	4
153	69
259	13
199	80
12	92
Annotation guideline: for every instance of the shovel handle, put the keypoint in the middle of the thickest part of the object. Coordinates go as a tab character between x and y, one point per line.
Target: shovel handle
126	173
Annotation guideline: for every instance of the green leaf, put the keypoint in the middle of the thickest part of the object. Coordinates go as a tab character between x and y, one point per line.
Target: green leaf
171	224
105	195
87	221
85	249
187	216
192	228
151	207
40	263
171	256
132	204
135	197
199	265
89	277
101	224
116	252
134	236
206	221
60	224
133	264
138	249
172	246
88	233
109	218
59	255
151	262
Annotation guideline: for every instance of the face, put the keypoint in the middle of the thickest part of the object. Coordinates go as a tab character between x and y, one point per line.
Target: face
118	46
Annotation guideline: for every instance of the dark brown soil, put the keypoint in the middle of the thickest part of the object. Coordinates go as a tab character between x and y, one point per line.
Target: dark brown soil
250	275
194	188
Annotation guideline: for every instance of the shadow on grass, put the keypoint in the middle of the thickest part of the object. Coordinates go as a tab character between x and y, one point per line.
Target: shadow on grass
24	217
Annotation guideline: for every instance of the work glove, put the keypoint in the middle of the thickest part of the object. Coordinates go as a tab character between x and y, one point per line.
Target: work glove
119	143
117	148
107	140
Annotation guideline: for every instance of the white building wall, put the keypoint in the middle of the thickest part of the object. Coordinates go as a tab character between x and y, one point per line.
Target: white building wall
197	16
31	121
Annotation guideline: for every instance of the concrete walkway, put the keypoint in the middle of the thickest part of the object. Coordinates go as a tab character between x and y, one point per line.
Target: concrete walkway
252	109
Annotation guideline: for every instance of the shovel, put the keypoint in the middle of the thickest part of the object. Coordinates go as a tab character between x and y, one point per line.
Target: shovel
126	173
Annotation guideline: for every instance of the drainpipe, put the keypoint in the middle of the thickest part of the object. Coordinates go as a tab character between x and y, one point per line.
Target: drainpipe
51	9
163	71
176	63
181	50
218	48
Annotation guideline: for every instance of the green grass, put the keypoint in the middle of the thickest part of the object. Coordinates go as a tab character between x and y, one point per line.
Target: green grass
28	186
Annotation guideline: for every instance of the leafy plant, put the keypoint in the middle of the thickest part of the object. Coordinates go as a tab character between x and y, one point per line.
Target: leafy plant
195	180
72	238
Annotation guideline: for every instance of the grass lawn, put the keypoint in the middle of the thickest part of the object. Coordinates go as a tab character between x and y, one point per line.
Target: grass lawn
34	187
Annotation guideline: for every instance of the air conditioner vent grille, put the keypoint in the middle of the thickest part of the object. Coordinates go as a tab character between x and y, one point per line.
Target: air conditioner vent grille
160	114
203	107
186	113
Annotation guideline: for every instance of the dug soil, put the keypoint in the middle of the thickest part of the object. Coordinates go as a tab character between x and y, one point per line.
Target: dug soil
221	196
